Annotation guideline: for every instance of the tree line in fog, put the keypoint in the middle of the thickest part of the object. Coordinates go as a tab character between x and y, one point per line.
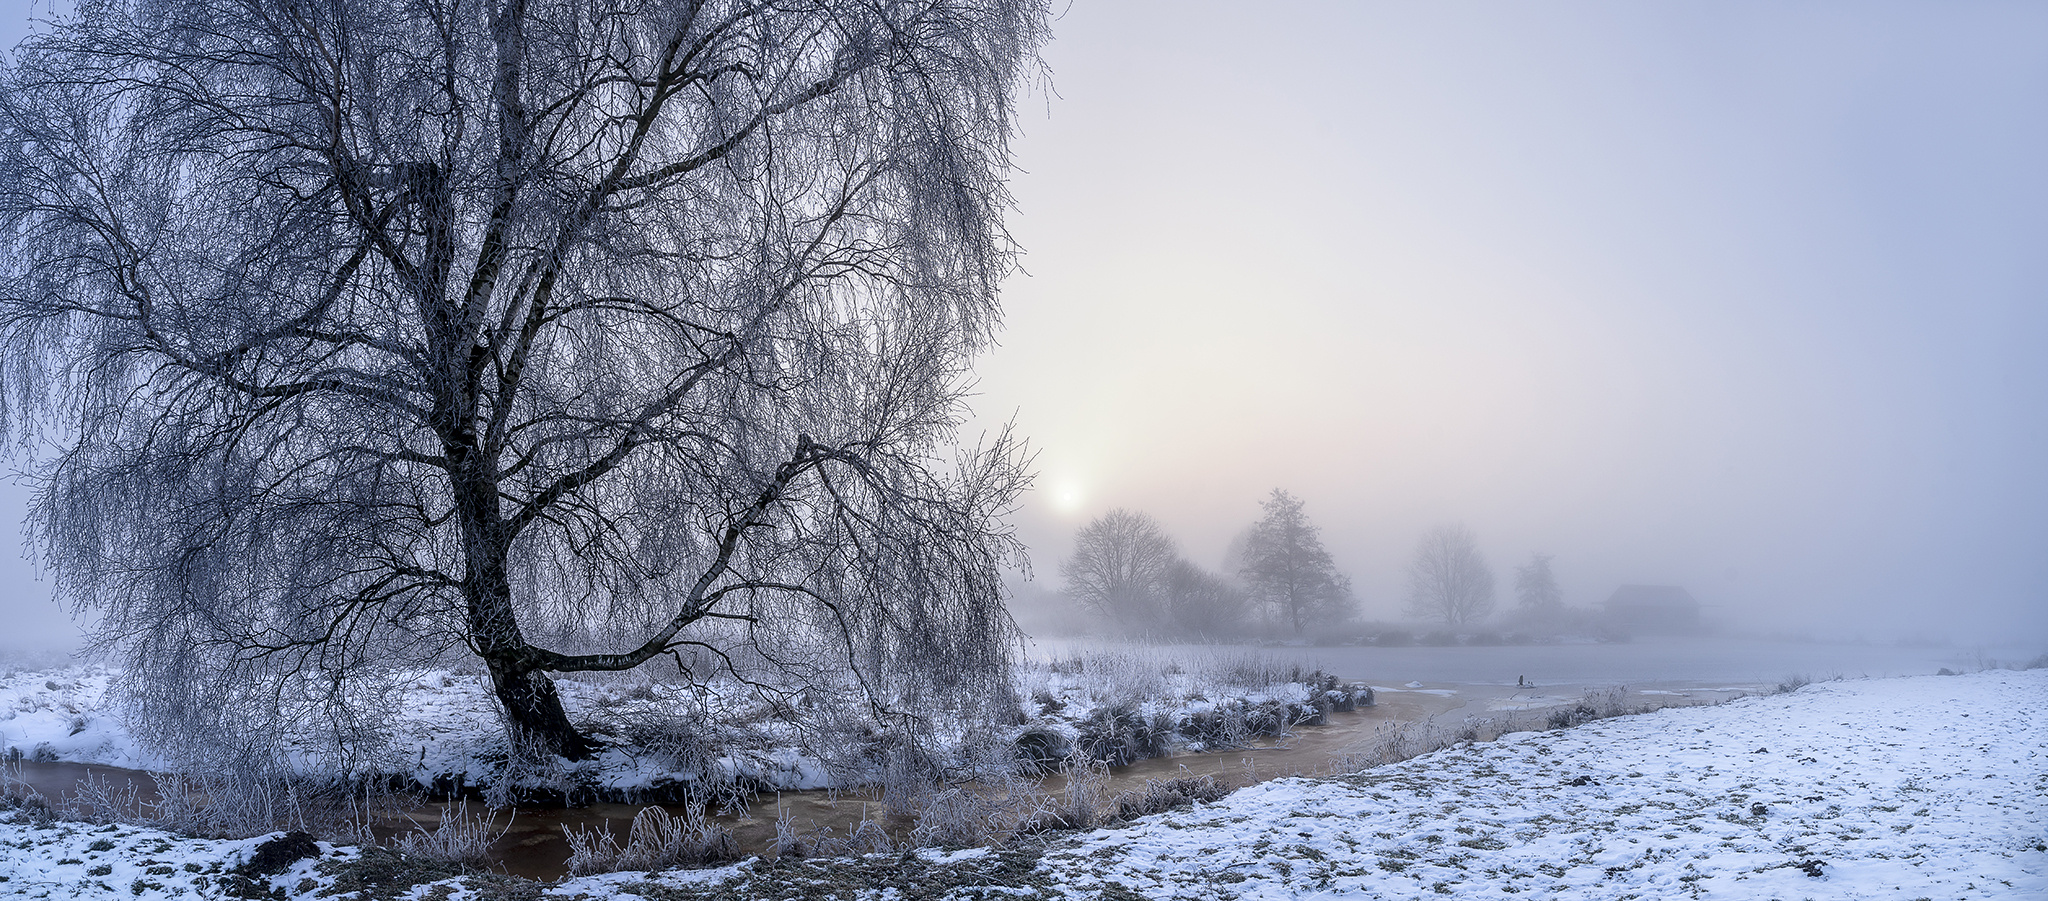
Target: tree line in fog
1278	577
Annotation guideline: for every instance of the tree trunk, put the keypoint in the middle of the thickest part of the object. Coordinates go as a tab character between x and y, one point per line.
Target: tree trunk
536	713
531	704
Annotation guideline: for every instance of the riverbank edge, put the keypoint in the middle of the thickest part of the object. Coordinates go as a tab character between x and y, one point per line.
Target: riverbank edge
366	871
1067	713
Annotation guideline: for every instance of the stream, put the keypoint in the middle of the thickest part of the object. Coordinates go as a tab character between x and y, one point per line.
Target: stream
533	845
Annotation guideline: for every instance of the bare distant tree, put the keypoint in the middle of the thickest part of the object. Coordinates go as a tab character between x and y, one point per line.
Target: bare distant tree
1536	587
563	334
1286	567
1203	604
1448	580
1120	568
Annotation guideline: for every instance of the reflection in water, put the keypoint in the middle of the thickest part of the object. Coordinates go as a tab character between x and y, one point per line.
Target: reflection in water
533	844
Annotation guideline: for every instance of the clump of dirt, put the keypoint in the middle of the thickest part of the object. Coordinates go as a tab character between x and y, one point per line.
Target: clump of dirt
278	854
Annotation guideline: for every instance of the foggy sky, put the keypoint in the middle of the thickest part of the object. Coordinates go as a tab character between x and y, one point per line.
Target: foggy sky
1744	297
1748	297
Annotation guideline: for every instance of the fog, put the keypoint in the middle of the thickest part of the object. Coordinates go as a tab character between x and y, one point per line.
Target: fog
1747	298
1743	297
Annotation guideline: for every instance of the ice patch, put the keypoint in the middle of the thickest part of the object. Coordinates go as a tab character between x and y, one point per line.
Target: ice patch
1416	688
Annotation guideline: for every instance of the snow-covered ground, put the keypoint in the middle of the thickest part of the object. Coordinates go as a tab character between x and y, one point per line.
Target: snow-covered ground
1924	787
63	714
445	730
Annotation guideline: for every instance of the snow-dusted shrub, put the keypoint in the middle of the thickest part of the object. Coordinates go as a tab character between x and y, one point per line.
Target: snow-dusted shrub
1396	741
1793	683
1123	677
1599	704
529	773
905	772
1130	703
1250	671
98	799
1345	698
591	850
655	841
1215	726
17	794
1121	734
987	813
677	745
1237	722
789	840
1085	800
462	837
235	804
1161	795
1039	749
955	817
868	837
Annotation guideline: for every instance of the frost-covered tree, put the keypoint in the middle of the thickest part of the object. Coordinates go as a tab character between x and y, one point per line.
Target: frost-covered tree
1448	580
1203	604
1120	569
1536	590
1286	568
563	334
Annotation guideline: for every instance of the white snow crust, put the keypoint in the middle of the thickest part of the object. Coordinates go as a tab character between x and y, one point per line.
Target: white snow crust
444	725
1928	787
64	715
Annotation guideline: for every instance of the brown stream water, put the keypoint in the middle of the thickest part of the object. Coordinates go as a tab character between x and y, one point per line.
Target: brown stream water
533	844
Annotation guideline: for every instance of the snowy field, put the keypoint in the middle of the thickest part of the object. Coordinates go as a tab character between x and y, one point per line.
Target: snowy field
1923	787
62	714
1926	787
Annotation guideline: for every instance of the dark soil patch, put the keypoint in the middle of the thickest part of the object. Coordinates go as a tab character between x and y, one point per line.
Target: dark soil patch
278	854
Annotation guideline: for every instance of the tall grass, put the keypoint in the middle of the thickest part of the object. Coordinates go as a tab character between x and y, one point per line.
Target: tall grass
655	841
17	794
463	837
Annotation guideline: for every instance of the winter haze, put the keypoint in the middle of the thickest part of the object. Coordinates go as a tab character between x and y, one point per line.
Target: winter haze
1744	297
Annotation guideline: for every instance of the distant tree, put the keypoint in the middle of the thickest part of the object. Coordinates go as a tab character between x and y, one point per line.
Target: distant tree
1121	568
561	336
1448	580
1200	603
1286	568
1536	587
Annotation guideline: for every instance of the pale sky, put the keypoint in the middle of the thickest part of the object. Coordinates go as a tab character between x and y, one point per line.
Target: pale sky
1748	297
